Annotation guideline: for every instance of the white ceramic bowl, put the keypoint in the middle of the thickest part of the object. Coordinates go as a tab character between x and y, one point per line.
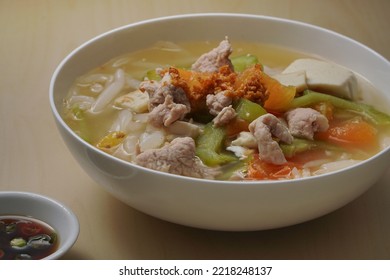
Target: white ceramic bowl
234	206
47	210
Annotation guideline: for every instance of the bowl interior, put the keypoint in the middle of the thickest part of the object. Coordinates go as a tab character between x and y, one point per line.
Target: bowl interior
61	218
281	32
285	33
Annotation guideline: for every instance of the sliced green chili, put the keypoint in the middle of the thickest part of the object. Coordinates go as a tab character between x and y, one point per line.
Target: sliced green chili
242	62
371	114
248	110
210	146
302	145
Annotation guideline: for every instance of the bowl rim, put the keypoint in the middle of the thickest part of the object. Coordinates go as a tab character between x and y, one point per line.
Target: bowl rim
60	120
65	243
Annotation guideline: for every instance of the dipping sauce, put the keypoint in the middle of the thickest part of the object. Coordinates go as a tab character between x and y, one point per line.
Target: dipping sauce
25	238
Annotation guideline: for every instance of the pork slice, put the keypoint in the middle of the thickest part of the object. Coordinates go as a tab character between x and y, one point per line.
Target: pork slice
167	103
263	129
214	59
155	92
167	113
158	90
305	122
225	116
177	157
216	102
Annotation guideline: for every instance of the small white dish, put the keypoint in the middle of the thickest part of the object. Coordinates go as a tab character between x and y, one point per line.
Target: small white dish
47	210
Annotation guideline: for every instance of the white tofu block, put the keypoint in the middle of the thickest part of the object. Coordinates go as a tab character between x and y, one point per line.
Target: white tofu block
296	79
327	77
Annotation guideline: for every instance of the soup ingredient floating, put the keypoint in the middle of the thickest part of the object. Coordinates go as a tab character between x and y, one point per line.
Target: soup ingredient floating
228	118
25	238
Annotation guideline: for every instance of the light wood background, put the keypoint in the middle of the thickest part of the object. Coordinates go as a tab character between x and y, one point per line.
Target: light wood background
36	35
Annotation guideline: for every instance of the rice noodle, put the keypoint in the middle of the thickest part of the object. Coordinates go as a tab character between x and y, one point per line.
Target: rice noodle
132	83
336	165
95	78
121	61
122	123
152	138
128	149
168	46
82	101
96	88
109	93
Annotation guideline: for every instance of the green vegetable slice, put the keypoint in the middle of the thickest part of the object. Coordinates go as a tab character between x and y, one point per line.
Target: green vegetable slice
18	242
368	112
248	110
242	62
209	146
302	145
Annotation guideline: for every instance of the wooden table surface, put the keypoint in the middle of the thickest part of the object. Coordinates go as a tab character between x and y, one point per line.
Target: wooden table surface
36	35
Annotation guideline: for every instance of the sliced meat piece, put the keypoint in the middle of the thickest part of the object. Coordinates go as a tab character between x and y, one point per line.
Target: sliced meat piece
216	102
177	157
225	116
158	90
155	91
263	129
216	58
167	103
304	122
167	113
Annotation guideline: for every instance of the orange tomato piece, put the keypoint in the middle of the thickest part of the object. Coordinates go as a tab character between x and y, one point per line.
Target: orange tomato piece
280	96
261	170
355	133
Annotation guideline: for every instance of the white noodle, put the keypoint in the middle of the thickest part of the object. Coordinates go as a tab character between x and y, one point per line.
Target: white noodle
132	83
168	46
122	123
82	101
121	61
128	149
336	165
152	138
95	78
109	93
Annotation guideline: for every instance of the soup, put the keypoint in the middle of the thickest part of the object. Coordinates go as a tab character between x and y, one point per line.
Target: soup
25	238
225	111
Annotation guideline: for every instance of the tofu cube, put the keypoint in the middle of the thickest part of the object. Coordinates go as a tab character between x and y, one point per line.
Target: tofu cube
326	77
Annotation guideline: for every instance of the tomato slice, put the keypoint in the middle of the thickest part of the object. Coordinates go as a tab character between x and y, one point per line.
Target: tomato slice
30	229
261	170
354	133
